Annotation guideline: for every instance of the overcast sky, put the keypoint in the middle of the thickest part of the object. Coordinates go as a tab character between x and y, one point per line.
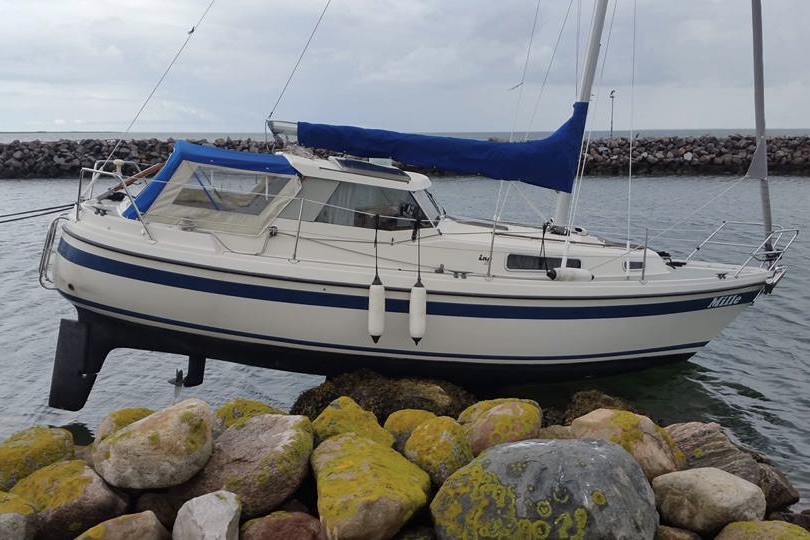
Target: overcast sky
416	65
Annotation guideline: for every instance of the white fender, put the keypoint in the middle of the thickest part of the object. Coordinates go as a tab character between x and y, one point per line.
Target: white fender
418	312
570	274
376	309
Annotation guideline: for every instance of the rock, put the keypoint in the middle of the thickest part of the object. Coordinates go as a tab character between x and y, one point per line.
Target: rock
31	449
649	445
164	449
439	446
401	424
802	519
555	432
142	526
283	526
345	416
499	421
238	410
262	459
586	401
384	396
365	489
213	516
160	504
547	489
707	499
69	498
18	518
673	533
120	419
762	530
705	445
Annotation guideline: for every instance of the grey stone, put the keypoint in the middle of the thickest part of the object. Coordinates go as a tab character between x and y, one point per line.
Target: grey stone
18	518
541	488
707	499
214	516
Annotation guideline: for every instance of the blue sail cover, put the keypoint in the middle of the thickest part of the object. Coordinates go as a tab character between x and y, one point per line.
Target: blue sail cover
549	162
186	151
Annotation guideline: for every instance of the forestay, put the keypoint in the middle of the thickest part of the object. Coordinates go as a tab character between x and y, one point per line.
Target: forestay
549	162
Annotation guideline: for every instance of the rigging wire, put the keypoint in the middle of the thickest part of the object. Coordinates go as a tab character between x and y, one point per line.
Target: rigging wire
632	134
548	71
525	68
576	55
189	35
298	62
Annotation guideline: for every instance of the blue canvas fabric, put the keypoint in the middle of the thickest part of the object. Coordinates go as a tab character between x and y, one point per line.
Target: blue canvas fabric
549	162
186	151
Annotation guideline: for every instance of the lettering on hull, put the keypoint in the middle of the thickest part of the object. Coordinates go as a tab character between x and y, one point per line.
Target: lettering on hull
723	301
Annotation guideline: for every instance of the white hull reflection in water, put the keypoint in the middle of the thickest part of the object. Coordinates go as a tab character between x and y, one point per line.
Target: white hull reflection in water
752	378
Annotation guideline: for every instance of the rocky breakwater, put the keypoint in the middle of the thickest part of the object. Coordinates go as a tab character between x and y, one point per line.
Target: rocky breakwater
442	465
693	156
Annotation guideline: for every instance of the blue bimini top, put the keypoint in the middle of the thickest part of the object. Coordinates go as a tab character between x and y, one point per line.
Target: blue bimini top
550	162
185	151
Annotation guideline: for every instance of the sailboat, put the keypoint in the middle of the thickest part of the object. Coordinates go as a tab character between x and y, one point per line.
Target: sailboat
294	262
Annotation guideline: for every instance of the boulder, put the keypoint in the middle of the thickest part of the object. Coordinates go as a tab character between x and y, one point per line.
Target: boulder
120	419
283	526
555	432
705	445
439	446
384	396
343	415
499	421
401	424
262	459
801	519
69	498
673	533
547	489
142	526
238	410
762	530
649	445
366	490
31	449
18	518
586	401
707	499
162	450
213	516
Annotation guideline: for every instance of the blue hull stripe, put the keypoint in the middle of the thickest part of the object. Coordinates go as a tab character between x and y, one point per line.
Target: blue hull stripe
348	301
377	350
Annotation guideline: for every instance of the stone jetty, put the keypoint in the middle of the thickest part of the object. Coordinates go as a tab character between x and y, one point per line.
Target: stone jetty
359	461
661	156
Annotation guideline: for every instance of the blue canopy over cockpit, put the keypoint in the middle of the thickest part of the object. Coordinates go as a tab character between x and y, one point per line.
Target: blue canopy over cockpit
550	162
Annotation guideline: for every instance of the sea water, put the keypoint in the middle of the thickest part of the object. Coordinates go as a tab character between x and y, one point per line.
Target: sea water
754	378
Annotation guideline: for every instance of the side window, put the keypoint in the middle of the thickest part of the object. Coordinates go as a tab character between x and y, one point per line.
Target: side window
241	192
530	262
356	205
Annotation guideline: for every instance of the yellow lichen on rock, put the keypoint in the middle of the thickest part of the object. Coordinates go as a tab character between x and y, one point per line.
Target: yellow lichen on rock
366	489
507	421
14	504
119	419
238	410
472	412
759	530
401	424
439	446
343	415
54	485
31	449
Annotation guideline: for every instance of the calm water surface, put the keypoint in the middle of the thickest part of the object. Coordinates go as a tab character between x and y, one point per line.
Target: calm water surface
753	379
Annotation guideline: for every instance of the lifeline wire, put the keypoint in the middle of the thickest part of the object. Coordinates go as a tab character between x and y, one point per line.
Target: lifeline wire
189	35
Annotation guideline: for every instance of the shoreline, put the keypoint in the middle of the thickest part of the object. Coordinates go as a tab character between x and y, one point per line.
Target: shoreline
656	156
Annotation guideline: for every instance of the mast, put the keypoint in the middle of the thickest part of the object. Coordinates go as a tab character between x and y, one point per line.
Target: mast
759	164
563	208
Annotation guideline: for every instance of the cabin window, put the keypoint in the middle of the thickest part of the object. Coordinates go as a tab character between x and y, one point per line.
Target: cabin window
531	262
356	205
633	265
228	190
